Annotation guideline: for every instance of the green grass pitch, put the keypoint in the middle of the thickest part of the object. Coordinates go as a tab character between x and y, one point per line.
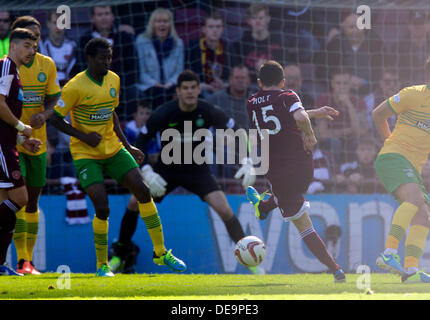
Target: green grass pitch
209	287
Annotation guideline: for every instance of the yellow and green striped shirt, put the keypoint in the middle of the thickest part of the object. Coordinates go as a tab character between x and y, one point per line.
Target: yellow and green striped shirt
411	134
91	104
39	80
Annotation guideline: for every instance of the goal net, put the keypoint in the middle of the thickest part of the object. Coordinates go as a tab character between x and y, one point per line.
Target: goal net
351	55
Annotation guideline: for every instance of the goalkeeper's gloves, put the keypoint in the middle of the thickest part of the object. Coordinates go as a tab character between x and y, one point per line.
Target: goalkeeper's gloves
247	171
157	185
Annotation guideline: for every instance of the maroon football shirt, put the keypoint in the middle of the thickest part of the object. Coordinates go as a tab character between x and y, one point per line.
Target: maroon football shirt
273	110
11	88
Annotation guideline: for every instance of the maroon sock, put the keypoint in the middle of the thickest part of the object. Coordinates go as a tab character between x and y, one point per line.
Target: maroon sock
318	248
265	206
8	211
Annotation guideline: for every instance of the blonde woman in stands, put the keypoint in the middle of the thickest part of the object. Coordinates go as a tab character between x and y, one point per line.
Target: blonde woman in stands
161	58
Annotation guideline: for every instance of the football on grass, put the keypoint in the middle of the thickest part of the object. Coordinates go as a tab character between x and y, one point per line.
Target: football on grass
250	251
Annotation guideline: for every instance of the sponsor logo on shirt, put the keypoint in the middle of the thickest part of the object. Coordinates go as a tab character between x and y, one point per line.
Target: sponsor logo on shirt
32	97
102	114
423	125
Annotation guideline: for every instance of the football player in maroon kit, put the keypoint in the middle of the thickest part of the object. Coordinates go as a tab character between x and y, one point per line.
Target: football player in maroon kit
290	156
12	131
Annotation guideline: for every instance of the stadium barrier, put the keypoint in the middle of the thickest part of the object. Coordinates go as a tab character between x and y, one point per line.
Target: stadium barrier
198	236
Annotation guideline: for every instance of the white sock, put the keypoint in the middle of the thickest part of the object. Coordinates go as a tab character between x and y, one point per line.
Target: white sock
390	251
411	270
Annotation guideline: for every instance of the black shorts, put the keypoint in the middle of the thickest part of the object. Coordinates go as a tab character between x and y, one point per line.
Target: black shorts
10	170
196	179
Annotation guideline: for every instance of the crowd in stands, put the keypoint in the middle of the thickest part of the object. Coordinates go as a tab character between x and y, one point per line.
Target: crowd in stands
352	70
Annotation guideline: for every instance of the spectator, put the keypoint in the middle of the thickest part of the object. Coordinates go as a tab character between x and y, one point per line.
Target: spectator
5	20
124	59
233	99
357	49
324	172
388	86
299	42
138	125
161	58
61	49
207	56
411	53
259	44
358	176
339	136
294	81
135	126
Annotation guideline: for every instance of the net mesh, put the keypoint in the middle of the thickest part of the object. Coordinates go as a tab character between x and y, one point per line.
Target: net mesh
330	62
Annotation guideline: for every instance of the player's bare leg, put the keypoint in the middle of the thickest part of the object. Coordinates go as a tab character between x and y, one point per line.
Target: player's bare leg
98	195
218	201
134	182
316	245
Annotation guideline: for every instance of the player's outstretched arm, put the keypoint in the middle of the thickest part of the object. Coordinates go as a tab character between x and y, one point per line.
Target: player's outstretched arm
323	112
380	116
92	139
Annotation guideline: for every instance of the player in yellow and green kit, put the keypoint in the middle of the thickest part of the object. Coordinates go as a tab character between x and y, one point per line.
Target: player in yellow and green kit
99	146
399	166
41	92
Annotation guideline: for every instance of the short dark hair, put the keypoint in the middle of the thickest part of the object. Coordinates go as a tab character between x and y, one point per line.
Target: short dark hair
50	14
93	9
214	16
24	22
145	104
255	8
188	75
94	45
271	73
21	34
